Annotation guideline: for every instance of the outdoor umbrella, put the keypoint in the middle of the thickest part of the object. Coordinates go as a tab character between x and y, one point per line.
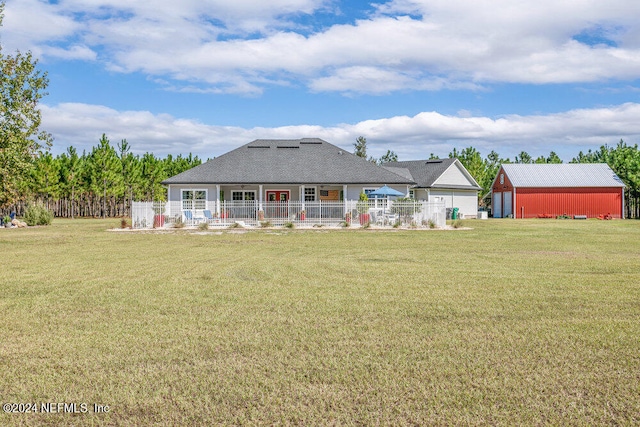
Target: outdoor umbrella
386	191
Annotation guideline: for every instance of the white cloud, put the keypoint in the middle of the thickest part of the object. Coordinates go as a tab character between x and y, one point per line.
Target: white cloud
442	44
81	125
72	53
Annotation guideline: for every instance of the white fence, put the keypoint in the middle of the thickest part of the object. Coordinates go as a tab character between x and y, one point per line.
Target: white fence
373	213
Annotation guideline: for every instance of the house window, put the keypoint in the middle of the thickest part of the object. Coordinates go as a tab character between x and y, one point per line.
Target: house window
243	195
194	199
310	194
412	194
501	178
368	191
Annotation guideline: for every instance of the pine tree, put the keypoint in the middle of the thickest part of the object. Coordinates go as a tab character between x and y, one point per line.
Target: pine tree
105	169
22	86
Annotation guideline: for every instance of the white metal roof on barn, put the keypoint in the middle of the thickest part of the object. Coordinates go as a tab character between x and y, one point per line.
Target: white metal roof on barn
562	175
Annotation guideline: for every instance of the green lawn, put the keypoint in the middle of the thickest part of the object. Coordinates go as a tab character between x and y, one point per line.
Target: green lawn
514	322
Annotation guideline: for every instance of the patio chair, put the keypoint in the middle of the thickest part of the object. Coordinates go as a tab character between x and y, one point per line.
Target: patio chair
208	217
188	216
390	218
190	219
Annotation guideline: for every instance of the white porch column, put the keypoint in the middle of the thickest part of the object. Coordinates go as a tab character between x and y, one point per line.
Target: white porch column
218	200
344	198
302	196
260	197
167	206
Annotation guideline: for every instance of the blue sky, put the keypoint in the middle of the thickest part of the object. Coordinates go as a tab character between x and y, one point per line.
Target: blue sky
414	76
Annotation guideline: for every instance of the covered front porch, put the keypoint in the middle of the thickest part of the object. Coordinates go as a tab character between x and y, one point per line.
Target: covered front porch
262	197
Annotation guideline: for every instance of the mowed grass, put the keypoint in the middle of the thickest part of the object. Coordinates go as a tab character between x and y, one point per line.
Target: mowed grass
509	323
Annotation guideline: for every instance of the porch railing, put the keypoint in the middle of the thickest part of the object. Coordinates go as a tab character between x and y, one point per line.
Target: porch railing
373	212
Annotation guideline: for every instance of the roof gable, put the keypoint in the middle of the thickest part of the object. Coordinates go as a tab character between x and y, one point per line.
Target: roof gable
561	175
437	173
297	161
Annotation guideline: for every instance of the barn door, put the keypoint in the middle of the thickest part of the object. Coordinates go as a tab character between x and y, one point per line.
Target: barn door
508	204
496	205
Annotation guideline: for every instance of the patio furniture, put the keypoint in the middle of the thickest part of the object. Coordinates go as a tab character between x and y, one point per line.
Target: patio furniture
190	219
390	218
208	217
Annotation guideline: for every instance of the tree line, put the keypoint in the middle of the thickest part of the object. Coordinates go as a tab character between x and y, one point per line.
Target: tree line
99	183
104	181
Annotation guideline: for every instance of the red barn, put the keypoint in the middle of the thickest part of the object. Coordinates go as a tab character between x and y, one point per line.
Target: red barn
550	190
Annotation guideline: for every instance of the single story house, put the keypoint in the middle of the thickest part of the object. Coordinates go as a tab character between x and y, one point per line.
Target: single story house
278	179
446	179
549	190
300	170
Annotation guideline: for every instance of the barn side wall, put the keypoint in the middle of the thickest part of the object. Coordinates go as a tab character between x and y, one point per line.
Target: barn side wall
591	202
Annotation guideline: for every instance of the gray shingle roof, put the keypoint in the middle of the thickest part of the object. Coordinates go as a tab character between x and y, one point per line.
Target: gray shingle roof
298	161
426	172
562	175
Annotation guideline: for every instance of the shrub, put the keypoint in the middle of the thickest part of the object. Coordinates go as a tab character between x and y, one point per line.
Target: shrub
289	225
179	223
203	226
38	215
431	224
345	224
236	225
124	223
457	223
265	224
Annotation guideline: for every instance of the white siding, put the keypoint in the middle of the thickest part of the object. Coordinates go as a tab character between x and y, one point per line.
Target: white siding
421	194
453	176
465	201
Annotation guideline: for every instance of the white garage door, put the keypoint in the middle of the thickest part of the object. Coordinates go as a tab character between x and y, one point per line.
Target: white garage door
465	201
508	204
496	205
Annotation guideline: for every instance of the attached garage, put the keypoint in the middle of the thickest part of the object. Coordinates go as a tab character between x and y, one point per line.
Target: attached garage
441	179
550	190
465	200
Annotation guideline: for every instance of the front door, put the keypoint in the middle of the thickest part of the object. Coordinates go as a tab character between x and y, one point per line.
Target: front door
277	206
